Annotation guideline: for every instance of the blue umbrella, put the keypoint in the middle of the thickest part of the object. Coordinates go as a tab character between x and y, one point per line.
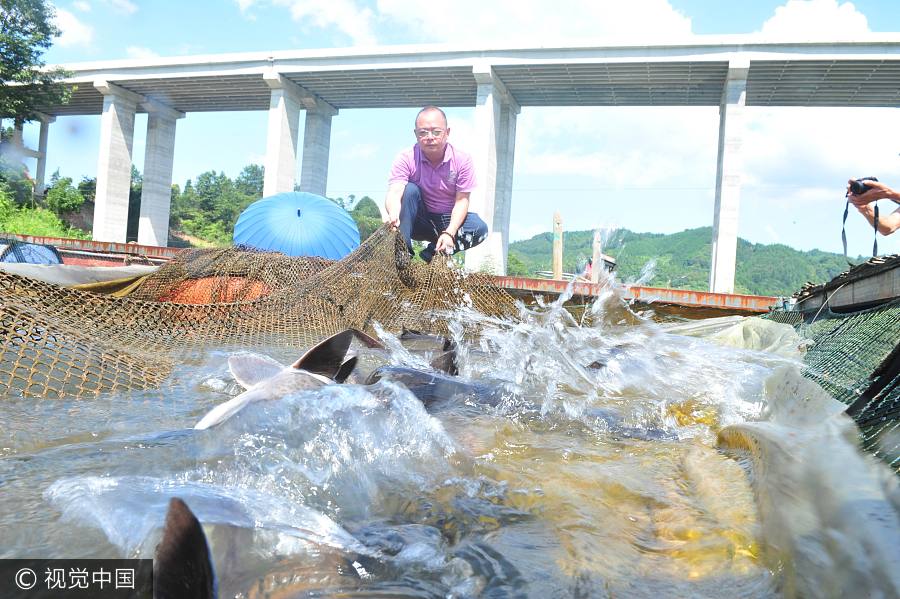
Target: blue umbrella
28	253
297	224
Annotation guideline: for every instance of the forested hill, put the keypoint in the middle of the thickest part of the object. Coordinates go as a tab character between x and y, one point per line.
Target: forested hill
682	260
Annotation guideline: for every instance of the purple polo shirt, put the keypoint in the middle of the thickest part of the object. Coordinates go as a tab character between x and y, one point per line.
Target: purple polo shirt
439	184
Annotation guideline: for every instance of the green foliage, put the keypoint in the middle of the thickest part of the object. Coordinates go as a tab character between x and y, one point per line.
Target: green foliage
6	202
682	260
368	208
32	221
209	208
515	266
88	188
250	181
13	172
26	31
367	217
61	196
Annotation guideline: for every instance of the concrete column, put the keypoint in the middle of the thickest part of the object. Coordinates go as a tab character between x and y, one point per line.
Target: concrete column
41	170
17	134
284	123
495	126
284	130
316	148
156	192
114	162
728	178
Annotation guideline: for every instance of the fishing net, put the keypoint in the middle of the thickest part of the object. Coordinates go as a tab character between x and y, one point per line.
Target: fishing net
57	341
856	358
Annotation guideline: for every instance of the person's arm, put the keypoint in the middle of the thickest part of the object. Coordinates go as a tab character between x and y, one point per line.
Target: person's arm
887	224
392	202
457	218
401	171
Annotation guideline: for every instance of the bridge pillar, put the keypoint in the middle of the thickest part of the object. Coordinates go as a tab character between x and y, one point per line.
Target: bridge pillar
316	148
284	130
729	168
114	162
288	99
495	125
41	170
156	192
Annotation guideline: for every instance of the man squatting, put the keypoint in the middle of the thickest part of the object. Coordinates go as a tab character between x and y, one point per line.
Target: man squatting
428	191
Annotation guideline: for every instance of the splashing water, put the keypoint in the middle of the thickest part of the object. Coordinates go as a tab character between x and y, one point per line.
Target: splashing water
625	458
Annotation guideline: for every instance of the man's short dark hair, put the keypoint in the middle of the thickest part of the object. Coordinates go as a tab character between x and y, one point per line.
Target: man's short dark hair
429	108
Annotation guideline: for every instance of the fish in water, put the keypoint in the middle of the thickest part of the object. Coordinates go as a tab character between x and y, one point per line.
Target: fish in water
441	384
183	566
264	378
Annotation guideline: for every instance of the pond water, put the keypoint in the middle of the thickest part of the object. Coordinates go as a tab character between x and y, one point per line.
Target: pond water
626	459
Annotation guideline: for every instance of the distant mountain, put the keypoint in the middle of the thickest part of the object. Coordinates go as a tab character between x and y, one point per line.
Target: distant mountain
682	260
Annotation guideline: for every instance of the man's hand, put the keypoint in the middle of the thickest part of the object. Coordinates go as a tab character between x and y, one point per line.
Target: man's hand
392	204
877	191
393	218
446	243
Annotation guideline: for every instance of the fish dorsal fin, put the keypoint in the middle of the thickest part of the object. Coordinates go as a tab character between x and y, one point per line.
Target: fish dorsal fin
182	567
345	370
367	340
327	357
446	362
249	369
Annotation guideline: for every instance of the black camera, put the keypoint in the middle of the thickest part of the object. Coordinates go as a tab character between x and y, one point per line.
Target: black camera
857	186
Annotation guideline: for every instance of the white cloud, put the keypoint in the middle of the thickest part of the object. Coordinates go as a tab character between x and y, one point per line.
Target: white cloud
123	6
815	19
531	22
813	151
347	16
624	148
82	6
138	52
536	21
73	31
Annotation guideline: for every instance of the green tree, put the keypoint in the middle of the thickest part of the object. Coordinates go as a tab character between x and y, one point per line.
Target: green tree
367	217
134	204
88	188
250	181
515	267
62	196
26	31
13	172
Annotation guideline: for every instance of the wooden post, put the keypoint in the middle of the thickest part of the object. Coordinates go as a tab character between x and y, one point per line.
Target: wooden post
557	246
597	258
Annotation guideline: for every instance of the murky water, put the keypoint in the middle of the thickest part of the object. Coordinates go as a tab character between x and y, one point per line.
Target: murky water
611	460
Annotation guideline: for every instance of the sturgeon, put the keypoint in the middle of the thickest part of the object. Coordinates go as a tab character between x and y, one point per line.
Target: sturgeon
264	378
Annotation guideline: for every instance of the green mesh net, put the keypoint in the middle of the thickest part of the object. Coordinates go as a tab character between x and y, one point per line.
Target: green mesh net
856	358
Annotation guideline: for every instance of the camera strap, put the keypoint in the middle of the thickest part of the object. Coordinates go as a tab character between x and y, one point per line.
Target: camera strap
844	232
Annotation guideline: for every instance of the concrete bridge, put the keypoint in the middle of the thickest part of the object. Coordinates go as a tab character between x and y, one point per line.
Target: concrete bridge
730	72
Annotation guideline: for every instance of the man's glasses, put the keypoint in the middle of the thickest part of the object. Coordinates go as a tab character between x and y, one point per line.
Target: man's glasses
421	133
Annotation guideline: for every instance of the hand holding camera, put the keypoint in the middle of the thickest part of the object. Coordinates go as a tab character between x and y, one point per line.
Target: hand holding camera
866	190
858	186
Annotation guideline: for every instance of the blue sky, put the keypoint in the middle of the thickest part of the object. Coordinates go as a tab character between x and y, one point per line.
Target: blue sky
643	168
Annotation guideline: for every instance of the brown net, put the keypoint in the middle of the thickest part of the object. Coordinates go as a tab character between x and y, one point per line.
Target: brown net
58	341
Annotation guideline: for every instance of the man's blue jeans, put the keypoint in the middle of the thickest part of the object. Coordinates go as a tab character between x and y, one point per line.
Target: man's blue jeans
419	224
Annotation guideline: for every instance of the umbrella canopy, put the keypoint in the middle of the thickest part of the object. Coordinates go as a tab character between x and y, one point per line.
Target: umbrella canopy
298	224
21	252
